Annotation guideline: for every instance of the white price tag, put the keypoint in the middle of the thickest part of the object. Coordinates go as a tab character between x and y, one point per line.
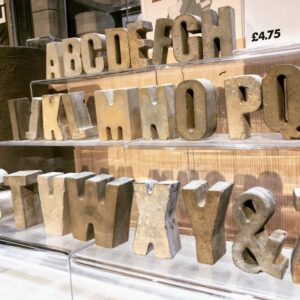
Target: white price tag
271	22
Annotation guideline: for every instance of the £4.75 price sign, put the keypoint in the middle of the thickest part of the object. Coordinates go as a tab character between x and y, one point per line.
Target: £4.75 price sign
266	35
271	22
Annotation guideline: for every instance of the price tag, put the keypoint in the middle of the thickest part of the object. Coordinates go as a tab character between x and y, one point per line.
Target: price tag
271	22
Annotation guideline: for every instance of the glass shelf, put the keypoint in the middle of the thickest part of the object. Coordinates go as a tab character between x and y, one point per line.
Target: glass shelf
181	276
244	55
216	141
35	237
29	273
32	260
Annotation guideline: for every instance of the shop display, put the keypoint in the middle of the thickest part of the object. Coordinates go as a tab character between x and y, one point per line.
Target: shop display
100	208
134	154
156	227
19	112
207	209
157	110
253	250
243	96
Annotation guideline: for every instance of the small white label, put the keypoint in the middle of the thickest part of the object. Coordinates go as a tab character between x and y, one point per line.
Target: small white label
271	22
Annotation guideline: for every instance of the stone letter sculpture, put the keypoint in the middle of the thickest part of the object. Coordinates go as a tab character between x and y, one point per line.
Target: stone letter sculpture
117	45
253	250
55	125
55	202
118	114
36	131
243	96
78	116
219	37
55	62
207	209
196	109
162	41
138	43
72	57
281	84
19	113
100	208
157	106
156	226
25	197
93	51
187	48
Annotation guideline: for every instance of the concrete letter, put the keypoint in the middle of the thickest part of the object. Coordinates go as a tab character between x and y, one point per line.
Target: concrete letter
117	45
157	105
207	210
25	197
118	114
280	85
55	202
100	208
157	226
93	51
185	47
196	109
243	96
36	131
55	62
162	41
218	32
19	113
253	250
55	122
78	116
138	43
72	57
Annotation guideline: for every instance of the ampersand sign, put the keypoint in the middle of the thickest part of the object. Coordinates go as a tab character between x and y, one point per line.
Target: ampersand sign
253	251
